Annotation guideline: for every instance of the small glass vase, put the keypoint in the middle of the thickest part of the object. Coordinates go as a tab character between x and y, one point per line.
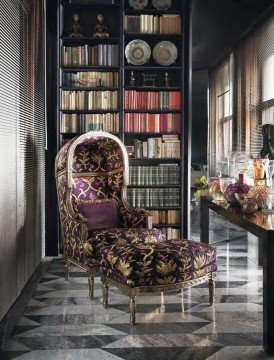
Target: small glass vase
259	169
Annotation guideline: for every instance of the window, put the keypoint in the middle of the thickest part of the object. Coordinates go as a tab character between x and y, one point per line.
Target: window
235	122
221	111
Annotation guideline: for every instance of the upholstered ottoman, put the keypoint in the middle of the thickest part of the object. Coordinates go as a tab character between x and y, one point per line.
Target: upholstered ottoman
165	266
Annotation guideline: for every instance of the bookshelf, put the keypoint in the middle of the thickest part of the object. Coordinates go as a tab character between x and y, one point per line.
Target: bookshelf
100	89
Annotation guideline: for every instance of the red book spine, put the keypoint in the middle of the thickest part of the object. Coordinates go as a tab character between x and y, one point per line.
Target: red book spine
144	100
164	122
174	101
134	98
157	125
131	122
143	121
179	100
152	122
126	123
125	99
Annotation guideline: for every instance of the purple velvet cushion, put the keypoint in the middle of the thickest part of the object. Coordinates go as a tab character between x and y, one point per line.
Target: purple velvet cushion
101	214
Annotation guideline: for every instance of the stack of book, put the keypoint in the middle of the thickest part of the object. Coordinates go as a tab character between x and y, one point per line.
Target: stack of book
80	123
167	146
136	122
152	100
172	233
99	55
149	24
166	217
150	197
91	79
164	174
90	100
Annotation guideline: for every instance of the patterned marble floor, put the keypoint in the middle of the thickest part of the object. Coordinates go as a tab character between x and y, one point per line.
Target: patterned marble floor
60	322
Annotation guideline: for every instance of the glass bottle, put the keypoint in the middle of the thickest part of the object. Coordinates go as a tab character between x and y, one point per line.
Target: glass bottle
262	194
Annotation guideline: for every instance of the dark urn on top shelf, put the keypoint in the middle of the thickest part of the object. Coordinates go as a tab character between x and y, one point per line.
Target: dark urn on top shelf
77	30
100	30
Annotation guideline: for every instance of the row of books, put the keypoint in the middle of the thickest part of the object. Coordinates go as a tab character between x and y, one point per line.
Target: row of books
149	197
149	24
80	123
172	233
89	100
154	175
166	217
99	55
91	78
136	122
152	100
167	146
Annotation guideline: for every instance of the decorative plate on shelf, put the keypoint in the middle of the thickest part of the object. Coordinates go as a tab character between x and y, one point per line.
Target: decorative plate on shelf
138	4
161	4
165	53
137	52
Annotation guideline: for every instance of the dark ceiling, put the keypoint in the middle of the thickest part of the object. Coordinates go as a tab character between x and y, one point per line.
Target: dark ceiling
219	24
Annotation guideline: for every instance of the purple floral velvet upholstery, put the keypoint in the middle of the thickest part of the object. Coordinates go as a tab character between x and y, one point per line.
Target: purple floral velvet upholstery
119	237
74	231
97	174
100	214
163	263
101	154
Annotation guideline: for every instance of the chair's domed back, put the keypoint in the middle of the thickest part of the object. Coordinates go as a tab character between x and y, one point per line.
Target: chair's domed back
92	166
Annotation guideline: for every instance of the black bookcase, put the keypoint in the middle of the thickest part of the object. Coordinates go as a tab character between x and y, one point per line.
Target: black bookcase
134	124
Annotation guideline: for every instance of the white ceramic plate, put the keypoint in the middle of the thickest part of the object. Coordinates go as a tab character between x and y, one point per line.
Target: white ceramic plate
161	4
138	4
137	52
165	53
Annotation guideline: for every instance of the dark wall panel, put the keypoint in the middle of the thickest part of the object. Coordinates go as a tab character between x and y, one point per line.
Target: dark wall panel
199	116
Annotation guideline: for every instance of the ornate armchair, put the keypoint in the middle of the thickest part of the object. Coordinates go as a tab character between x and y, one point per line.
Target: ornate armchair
91	177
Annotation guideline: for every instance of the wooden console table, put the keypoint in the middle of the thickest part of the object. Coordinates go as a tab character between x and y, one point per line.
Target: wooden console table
261	226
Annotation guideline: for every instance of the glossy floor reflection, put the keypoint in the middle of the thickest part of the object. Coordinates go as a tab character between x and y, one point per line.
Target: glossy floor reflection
60	322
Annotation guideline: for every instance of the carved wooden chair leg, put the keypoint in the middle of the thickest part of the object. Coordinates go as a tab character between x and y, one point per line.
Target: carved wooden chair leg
211	285
91	285
105	293
66	269
132	305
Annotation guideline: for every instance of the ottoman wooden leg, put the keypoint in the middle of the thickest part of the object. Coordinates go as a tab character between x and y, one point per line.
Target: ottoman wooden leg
105	293
91	285
211	285
183	303
66	269
132	305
